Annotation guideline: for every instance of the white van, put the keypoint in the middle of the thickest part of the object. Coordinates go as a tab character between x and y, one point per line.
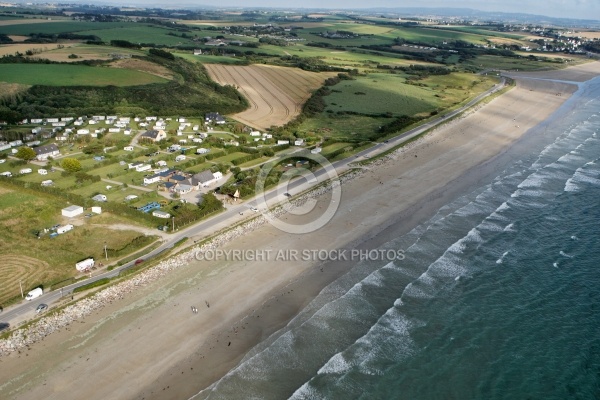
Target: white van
37	292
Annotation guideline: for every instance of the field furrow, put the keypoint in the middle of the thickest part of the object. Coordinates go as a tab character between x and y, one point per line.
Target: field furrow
275	93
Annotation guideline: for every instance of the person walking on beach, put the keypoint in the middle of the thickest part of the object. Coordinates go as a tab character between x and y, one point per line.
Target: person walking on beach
207	304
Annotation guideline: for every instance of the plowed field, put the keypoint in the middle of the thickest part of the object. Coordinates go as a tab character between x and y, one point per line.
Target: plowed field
276	94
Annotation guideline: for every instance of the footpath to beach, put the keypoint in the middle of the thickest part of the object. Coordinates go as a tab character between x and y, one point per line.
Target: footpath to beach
140	339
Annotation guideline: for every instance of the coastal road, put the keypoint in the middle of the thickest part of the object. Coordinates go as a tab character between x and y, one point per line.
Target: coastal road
26	310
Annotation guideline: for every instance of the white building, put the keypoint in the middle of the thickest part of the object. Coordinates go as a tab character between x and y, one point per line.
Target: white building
161	214
72	211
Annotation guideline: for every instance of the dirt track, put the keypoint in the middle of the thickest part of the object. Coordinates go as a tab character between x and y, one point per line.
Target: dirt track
276	94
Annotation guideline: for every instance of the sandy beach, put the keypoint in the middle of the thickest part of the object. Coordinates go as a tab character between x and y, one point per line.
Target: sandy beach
151	345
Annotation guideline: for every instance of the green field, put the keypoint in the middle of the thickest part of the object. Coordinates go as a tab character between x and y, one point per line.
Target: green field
350	128
382	93
138	33
74	75
58	27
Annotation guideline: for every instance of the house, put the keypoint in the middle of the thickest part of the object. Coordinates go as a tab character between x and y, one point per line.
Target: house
43	152
174	148
154	135
16	143
161	163
130	197
36	120
99	197
42	171
47	183
182	188
299	142
279	142
99	158
202	150
197	52
114	130
161	214
180	157
166	175
97	210
151	179
255	133
197	140
24	171
177	178
206	178
214	117
72	211
128	148
127	131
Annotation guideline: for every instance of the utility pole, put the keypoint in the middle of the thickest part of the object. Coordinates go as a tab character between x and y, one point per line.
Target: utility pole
105	251
21	286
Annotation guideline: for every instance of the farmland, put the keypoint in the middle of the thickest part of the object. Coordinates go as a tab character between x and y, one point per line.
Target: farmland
74	75
276	94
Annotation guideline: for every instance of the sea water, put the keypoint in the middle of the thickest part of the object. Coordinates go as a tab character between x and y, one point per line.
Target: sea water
498	296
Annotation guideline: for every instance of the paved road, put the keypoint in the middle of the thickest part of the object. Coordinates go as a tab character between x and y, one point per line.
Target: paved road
233	213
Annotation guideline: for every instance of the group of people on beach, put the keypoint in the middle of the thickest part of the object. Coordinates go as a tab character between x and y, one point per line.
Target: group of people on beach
195	310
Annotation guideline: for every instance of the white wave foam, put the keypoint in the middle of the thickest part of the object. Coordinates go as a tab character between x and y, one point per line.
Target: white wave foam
510	227
501	259
562	253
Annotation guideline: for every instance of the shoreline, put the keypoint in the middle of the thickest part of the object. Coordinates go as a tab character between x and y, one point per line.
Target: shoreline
286	291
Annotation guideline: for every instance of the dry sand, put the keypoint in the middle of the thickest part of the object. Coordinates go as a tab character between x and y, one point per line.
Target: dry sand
150	345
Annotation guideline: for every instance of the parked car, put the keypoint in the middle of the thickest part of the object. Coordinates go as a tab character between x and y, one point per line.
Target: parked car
138	261
41	307
286	194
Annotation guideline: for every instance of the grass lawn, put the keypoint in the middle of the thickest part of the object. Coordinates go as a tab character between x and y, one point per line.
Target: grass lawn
47	260
252	163
208	59
74	75
381	93
199	167
229	157
353	128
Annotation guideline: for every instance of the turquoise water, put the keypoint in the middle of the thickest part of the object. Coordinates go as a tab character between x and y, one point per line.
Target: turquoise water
498	296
